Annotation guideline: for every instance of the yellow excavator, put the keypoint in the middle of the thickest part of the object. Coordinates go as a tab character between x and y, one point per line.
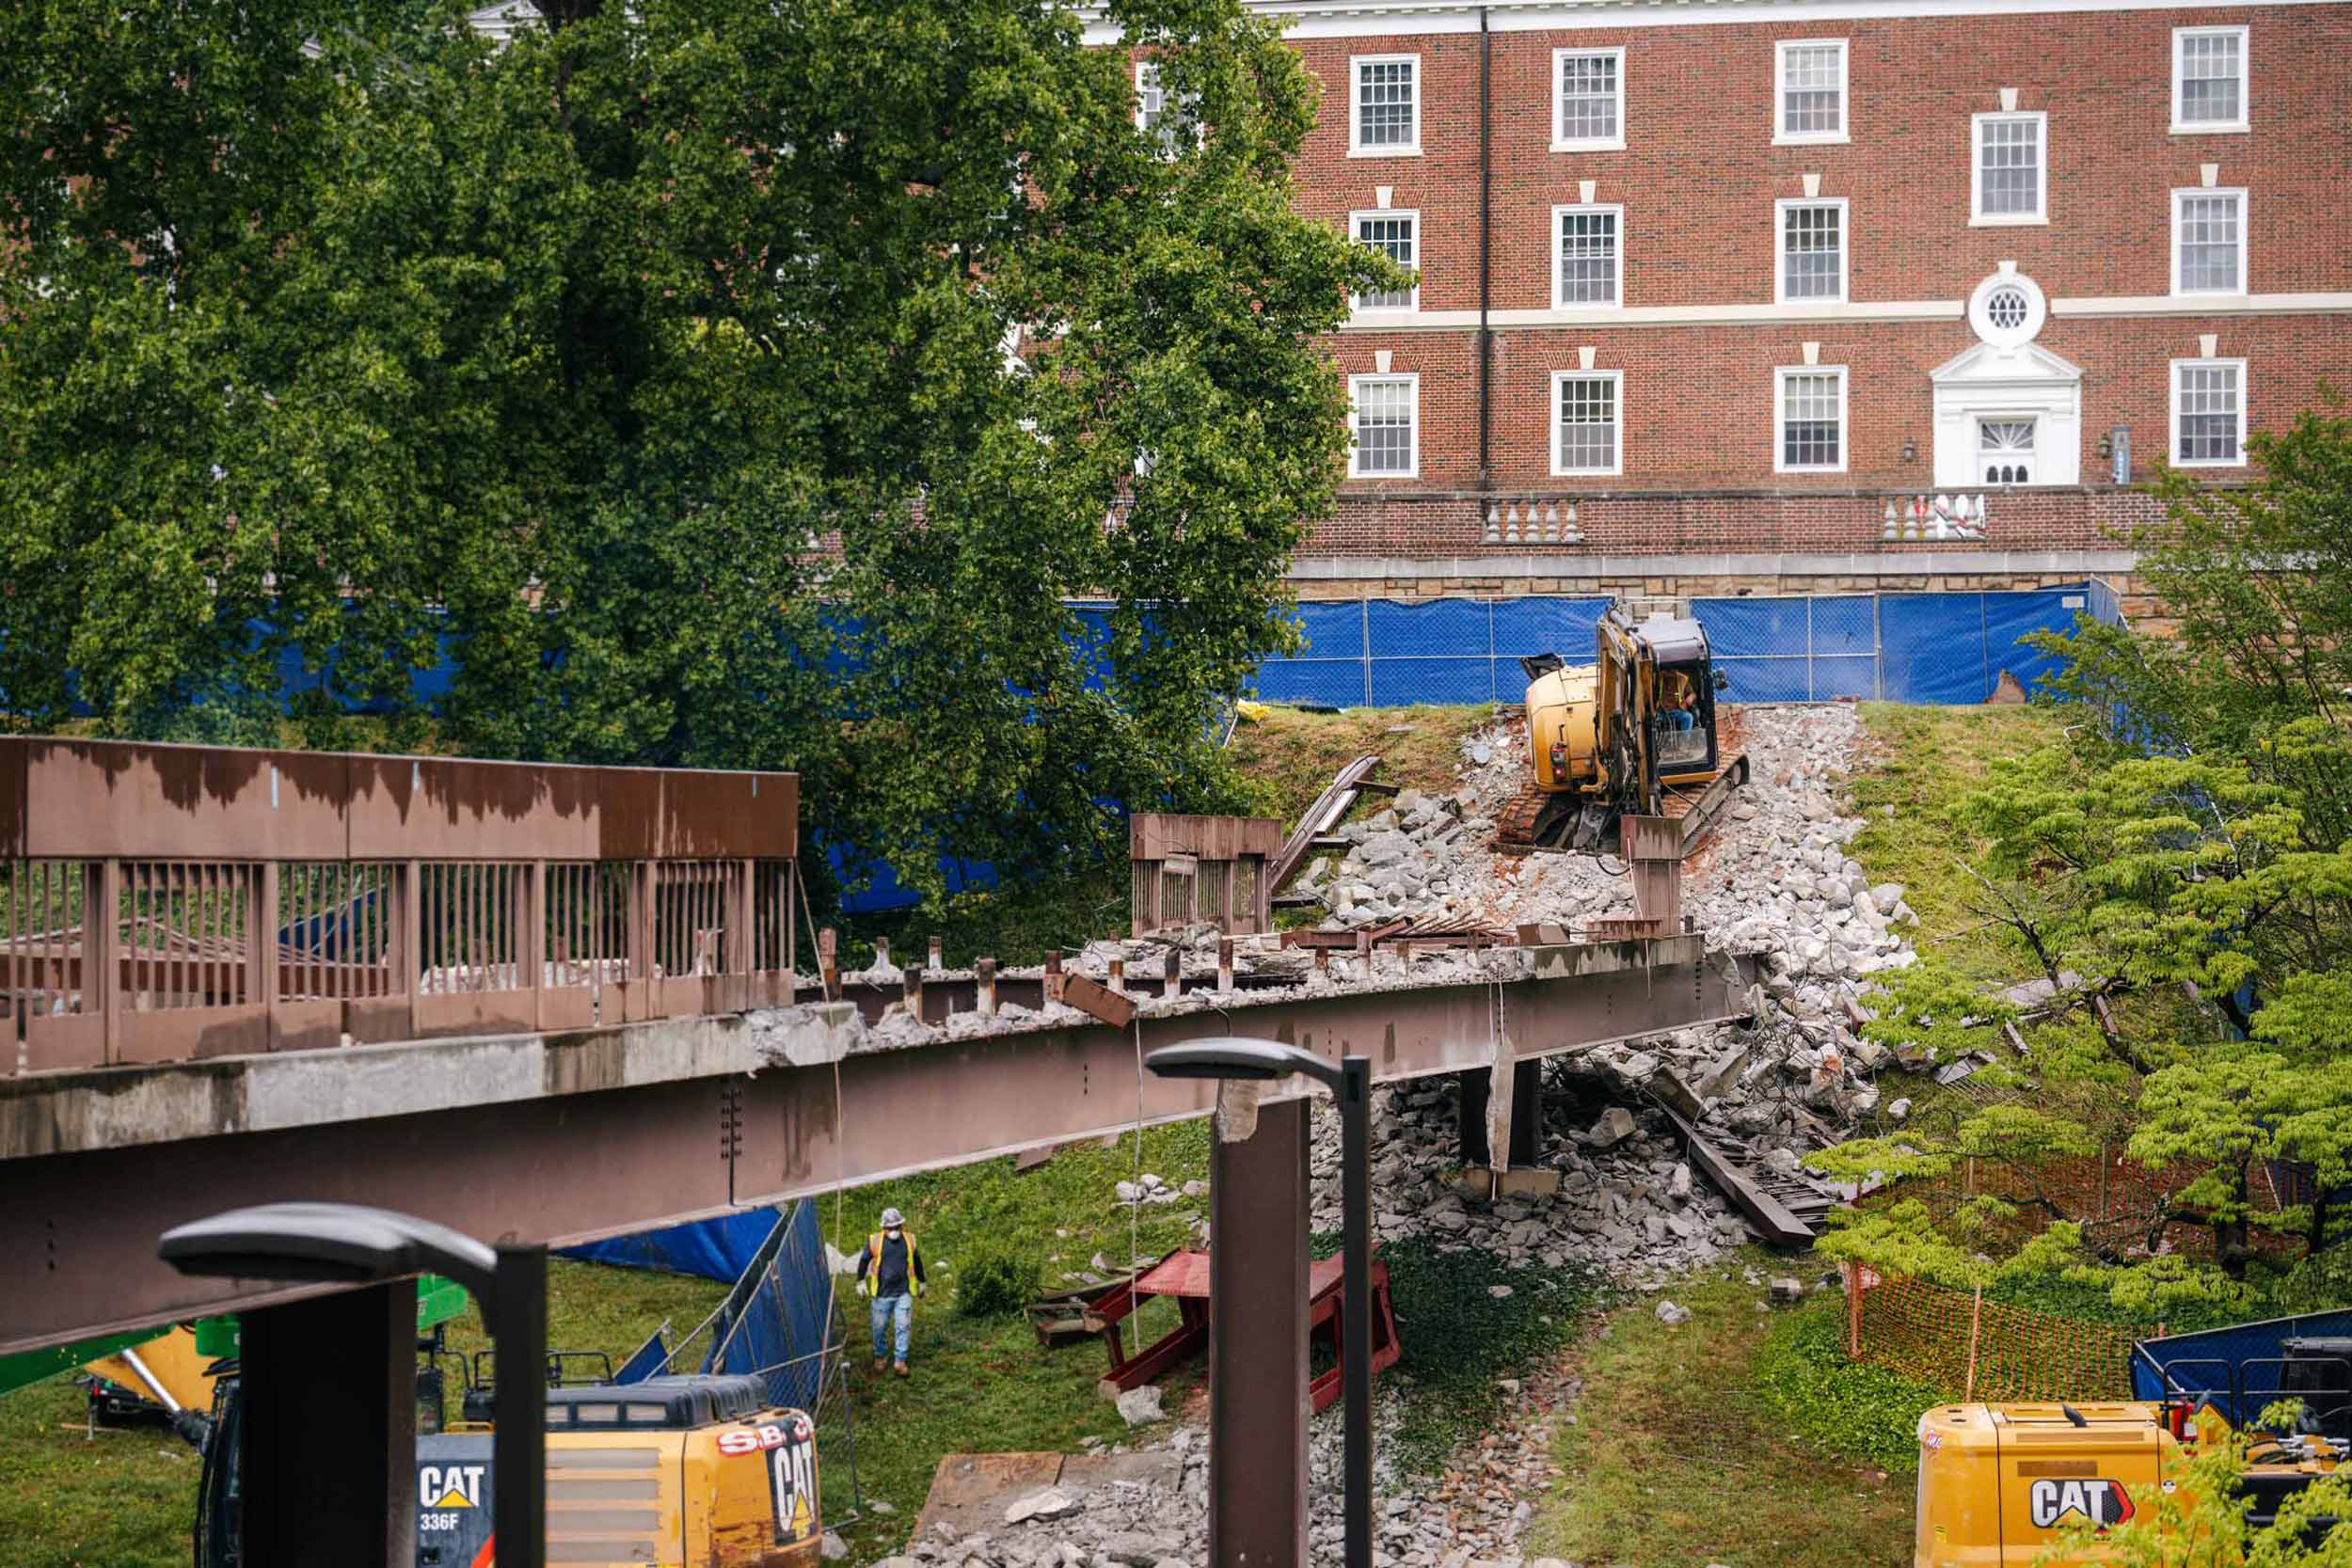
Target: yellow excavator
1999	1483
1635	732
691	1470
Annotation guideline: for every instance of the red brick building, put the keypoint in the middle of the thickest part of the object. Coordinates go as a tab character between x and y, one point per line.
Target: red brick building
1712	293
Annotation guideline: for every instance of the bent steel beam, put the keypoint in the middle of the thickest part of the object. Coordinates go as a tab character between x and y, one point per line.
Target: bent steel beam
568	1138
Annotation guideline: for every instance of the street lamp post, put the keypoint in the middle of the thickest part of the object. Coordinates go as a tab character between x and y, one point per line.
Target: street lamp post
1350	1081
344	1243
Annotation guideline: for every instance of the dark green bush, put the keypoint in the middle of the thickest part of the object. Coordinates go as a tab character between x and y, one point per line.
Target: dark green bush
996	1282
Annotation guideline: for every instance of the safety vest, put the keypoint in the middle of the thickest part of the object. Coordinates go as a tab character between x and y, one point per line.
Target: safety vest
873	1262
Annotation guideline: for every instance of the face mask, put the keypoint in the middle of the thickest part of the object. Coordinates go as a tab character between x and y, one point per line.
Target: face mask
892	1233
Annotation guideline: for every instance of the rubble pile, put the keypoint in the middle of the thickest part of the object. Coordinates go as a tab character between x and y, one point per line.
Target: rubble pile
1479	1511
1774	878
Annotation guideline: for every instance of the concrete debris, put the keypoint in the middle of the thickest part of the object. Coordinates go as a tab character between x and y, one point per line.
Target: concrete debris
832	1548
1670	1314
1052	1503
1137	1406
1615	1125
1477	1510
1787	1290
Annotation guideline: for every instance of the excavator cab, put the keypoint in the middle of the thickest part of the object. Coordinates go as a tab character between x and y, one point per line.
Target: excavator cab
1635	732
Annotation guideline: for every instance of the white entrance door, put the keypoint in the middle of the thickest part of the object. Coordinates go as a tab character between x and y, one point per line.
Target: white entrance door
2006	449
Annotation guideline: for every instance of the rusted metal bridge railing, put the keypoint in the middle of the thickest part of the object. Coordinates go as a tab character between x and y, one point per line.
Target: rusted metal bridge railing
289	900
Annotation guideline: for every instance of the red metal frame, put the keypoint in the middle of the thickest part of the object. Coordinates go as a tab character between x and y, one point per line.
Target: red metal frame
1185	1277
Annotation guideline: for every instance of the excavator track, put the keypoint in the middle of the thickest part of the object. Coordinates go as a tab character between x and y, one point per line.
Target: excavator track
1516	820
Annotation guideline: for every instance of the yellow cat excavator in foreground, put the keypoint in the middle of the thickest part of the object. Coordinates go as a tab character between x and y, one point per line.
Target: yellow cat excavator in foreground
1999	1483
1635	732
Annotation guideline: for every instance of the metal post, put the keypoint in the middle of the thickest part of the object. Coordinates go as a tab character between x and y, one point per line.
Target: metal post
1527	1113
1364	610
518	1444
1878	651
102	952
327	1434
1808	647
1355	1222
1259	1199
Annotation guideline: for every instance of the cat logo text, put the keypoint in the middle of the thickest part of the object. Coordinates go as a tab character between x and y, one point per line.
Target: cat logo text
2103	1503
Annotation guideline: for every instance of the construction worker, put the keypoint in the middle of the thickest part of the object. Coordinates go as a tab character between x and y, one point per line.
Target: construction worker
891	1271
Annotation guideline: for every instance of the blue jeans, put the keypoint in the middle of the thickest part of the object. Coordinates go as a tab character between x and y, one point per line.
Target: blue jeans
1680	719
886	1311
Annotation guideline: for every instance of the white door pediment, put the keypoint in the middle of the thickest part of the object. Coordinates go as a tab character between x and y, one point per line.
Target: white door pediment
2006	377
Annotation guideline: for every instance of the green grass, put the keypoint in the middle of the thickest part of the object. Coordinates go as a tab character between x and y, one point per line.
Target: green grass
1919	762
1457	1339
1850	1409
1291	756
123	1500
984	1384
1680	1454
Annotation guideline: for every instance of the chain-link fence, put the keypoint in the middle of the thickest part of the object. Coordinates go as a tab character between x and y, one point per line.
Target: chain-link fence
1898	647
1386	653
1812	649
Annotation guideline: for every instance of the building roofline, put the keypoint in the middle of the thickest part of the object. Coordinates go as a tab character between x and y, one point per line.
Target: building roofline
1375	17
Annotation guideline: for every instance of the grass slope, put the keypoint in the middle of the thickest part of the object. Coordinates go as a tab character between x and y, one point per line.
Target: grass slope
1915	764
1680	1454
1291	756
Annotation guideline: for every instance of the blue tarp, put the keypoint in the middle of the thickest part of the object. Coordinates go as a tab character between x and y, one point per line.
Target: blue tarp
719	1249
1386	653
651	1359
1903	647
774	1321
2200	1365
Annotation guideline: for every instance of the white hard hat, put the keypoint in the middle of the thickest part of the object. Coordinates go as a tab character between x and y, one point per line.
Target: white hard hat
892	1219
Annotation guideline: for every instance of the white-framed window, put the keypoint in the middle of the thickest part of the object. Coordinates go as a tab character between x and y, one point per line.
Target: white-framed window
2209	413
1588	255
1396	234
2209	242
2210	79
1585	429
1809	90
2008	445
1383	105
1587	100
1163	114
1387	426
1166	117
2008	168
1812	250
1809	420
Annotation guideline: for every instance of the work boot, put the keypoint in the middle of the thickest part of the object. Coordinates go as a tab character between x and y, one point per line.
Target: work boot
877	1363
898	1367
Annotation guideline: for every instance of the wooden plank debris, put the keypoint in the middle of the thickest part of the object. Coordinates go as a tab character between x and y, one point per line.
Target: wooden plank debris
1764	1209
1330	810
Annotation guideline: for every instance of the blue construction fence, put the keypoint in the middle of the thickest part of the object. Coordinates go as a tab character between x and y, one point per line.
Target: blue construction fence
1385	652
1897	647
1900	647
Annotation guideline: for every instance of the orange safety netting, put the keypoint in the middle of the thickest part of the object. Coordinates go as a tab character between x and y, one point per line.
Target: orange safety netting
1979	1348
2123	1206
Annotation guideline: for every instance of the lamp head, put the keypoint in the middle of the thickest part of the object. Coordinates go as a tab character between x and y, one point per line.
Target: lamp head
1239	1058
335	1243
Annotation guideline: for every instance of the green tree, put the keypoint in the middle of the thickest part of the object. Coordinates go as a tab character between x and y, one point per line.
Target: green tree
658	362
2180	876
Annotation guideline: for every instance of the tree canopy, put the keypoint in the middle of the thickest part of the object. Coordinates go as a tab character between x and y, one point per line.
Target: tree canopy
719	383
2178	875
